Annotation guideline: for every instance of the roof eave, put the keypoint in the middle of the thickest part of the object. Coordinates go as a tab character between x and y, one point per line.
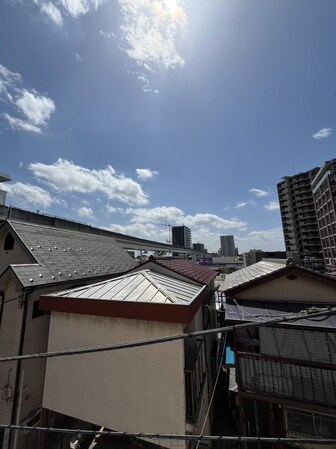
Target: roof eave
162	312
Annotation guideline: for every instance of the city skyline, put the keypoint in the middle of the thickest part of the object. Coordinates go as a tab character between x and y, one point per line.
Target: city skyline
131	115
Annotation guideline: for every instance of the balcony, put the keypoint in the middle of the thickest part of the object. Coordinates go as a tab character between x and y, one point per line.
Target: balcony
302	381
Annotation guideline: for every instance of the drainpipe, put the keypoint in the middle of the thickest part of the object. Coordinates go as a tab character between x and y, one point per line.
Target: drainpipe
16	395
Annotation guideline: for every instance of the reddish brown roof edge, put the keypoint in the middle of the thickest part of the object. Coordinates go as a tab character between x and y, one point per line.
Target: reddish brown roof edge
279	273
167	313
160	263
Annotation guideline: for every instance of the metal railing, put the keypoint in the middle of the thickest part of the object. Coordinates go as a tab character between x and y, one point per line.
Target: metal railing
288	379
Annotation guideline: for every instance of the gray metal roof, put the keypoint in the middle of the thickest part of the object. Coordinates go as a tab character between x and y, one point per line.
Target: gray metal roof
62	255
264	310
250	273
141	286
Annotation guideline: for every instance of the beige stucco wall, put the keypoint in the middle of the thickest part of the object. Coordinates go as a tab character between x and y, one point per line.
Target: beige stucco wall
301	289
138	389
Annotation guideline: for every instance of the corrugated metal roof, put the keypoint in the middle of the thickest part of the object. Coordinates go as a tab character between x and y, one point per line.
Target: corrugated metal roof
142	286
251	273
63	255
264	310
189	269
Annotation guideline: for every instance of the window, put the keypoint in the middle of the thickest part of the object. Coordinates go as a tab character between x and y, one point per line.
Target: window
9	242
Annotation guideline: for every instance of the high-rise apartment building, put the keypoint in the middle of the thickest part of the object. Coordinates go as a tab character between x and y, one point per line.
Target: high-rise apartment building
324	194
181	236
299	221
227	246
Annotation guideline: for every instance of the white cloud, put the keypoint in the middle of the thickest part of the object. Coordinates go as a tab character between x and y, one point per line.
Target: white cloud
272	205
65	176
106	34
267	240
73	8
211	220
176	216
78	7
85	212
151	29
259	192
151	223
52	12
22	194
35	108
241	204
156	214
78	57
8	80
21	125
145	173
322	134
150	231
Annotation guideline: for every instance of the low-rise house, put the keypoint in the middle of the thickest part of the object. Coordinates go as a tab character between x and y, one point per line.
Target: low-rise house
162	388
285	372
34	260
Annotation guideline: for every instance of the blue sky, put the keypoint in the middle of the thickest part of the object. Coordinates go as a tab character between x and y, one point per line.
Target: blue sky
128	114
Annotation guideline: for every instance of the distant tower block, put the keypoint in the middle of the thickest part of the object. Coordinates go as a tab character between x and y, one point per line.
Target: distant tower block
3	178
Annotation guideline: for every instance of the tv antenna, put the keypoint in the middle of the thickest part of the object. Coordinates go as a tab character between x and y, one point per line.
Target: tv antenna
169	226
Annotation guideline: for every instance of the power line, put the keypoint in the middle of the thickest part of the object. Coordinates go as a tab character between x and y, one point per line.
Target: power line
156	340
172	436
213	388
315	312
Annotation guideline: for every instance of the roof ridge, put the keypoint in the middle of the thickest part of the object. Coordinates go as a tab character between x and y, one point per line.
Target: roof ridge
171	297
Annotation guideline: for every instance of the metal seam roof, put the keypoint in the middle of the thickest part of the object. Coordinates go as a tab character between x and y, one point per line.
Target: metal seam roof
162	284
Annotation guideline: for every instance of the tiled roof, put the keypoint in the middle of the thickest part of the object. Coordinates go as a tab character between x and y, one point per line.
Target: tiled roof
63	255
250	273
192	270
142	286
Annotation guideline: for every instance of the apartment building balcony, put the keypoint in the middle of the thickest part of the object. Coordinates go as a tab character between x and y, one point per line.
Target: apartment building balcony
304	381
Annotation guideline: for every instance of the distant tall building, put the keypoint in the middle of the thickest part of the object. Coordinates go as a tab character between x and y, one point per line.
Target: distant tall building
299	222
199	247
181	236
227	246
324	194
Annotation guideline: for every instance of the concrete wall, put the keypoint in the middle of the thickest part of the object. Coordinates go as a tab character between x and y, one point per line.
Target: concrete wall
301	289
139	389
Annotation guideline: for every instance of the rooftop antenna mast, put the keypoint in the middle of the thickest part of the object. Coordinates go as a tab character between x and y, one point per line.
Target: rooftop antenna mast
169	226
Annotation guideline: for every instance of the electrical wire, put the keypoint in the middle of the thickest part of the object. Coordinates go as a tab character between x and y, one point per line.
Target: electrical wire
10	300
220	362
172	436
156	340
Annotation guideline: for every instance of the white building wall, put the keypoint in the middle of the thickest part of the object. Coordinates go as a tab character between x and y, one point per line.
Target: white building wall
139	389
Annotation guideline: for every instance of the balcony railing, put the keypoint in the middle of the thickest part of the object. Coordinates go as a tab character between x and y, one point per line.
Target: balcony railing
281	378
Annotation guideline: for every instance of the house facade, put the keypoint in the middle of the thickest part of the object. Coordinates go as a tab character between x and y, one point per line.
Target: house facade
285	373
160	388
35	260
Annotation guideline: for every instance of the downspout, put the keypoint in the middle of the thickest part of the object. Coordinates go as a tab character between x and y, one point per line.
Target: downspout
16	395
